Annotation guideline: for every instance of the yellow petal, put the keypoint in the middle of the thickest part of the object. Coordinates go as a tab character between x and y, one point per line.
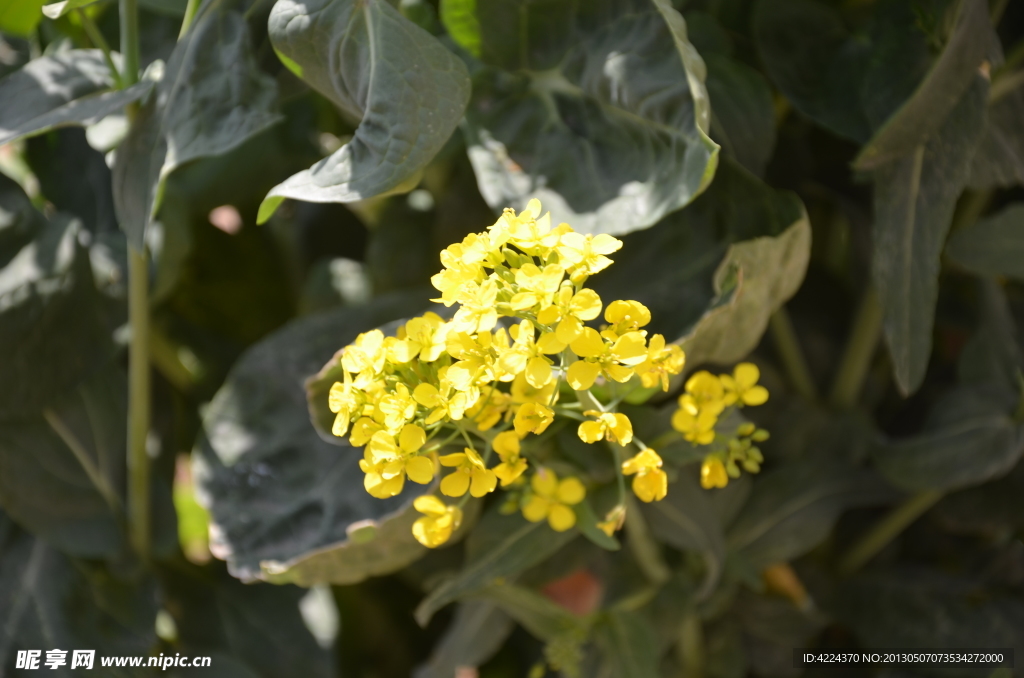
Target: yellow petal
581	375
571	491
455	484
484	482
420	470
561	518
589	344
585	305
591	431
538	372
430	505
549	344
758	395
454	459
569	329
746	375
411	438
544	482
506	444
426	395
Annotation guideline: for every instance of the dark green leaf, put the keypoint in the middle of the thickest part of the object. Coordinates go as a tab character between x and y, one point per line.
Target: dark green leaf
793	507
628	645
810	56
742	113
379	68
49	601
211	99
276	490
597	109
923	116
51	329
993	353
542	617
478	630
969	438
686	519
459	19
500	547
68	88
914	201
1000	157
61	472
21	18
992	246
991	509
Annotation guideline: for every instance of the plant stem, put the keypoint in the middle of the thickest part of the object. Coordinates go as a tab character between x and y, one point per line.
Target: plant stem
691	645
867	327
98	41
130	41
888	529
190	14
792	356
96	477
138	401
643	546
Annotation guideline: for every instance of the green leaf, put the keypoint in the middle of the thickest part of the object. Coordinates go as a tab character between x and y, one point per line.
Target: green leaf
51	328
56	10
687	520
793	507
627	644
257	626
211	99
62	471
501	546
812	59
69	88
993	353
991	509
21	16
914	201
50	601
406	89
478	630
542	617
597	109
459	19
992	246
999	161
969	438
923	116
742	112
275	489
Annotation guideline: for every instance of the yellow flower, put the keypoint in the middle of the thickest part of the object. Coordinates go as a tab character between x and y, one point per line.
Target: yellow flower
489	409
712	473
532	418
438	522
524	357
625	316
506	444
697	428
363	430
613	521
537	286
344	400
476	358
661	361
651	483
552	499
365	354
569	311
444	401
531	232
478	313
585	253
524	392
375	483
469	474
704	393
399	457
612	425
422	337
742	386
397	408
614	360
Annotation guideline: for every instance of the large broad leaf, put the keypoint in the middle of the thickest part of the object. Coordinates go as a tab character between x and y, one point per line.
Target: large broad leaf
49	601
699	269
68	88
793	507
20	18
275	489
598	109
969	438
1000	157
211	99
257	626
406	89
992	246
51	329
62	471
814	61
990	509
742	112
501	546
914	200
478	631
628	645
687	520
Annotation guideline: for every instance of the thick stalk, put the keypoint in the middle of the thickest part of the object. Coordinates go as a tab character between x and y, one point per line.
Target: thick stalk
138	401
691	646
792	356
867	327
130	41
190	13
888	529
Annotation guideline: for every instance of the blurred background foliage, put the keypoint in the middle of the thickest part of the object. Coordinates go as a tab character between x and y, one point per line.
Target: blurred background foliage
832	187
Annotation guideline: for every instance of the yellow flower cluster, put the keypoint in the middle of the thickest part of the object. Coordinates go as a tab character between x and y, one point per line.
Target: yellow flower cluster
706	399
485	384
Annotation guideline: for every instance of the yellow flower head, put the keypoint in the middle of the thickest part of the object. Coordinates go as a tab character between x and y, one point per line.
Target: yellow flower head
397	408
553	499
537	286
532	418
489	409
344	400
697	428
613	521
712	473
399	459
524	392
365	354
742	386
661	362
651	483
599	356
477	312
585	253
625	316
506	444
524	357
469	474
438	522
612	425
704	393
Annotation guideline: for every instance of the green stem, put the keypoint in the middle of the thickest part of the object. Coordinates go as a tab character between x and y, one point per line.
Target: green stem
792	356
691	646
867	327
130	41
642	544
98	41
138	401
190	14
96	477
888	529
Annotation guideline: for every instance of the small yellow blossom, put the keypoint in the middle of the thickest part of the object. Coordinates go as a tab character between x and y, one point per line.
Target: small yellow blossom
651	483
742	386
365	354
712	473
523	392
489	409
704	393
398	459
553	499
585	253
537	286
625	316
697	428
532	418
612	425
661	362
506	444
469	474
438	522
613	521
397	408
477	312
524	357
344	400
614	360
